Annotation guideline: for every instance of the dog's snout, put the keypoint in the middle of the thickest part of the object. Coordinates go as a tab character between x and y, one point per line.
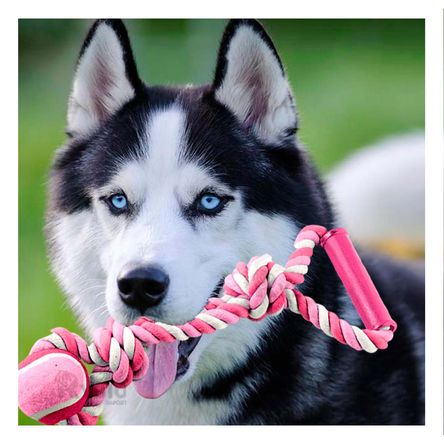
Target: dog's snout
142	286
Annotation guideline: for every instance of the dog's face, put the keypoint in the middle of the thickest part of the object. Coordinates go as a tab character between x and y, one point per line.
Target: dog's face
160	191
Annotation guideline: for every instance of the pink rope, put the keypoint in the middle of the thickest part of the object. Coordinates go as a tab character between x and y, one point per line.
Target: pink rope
254	290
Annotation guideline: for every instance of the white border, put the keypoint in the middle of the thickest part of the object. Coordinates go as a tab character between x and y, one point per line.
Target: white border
227	8
434	221
431	10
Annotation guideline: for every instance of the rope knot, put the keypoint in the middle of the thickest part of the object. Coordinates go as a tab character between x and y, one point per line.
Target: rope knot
260	285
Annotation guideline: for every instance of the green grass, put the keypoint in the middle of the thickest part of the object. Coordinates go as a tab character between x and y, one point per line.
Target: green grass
354	80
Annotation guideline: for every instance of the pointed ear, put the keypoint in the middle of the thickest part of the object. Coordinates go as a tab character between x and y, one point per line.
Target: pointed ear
106	77
251	82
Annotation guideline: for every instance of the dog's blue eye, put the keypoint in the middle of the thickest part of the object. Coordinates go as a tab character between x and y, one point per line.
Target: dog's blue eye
210	203
119	201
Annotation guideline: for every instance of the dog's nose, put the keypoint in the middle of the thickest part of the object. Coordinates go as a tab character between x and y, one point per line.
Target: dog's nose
142	287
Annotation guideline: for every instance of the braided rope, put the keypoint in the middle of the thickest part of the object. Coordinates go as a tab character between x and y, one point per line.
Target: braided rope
254	290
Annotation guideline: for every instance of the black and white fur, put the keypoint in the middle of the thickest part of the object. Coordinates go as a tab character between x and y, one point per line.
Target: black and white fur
163	146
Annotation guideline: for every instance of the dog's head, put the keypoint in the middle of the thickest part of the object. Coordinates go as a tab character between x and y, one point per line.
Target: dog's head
160	191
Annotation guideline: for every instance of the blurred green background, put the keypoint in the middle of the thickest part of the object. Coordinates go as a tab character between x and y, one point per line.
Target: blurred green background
354	80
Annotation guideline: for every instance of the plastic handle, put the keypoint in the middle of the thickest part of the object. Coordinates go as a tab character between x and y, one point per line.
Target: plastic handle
356	280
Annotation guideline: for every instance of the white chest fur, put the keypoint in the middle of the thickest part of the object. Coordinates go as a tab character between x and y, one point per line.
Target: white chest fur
175	407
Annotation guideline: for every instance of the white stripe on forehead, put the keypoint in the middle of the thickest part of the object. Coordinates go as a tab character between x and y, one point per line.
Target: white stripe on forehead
162	170
164	137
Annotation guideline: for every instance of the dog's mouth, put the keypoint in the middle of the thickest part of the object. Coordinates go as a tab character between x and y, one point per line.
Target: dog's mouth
168	362
185	349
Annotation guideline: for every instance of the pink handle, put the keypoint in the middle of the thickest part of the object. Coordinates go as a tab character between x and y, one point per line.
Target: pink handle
356	280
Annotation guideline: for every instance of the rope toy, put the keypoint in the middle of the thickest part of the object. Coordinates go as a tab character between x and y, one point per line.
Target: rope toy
55	387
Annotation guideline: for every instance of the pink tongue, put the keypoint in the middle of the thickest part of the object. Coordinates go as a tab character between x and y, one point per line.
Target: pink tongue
161	370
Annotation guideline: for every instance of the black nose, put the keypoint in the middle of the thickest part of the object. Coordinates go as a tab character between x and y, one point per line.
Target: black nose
142	287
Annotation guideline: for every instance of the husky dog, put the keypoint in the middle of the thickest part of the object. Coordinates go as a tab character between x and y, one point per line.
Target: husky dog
160	191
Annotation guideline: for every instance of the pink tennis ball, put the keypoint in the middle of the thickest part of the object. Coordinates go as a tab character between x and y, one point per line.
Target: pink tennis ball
53	385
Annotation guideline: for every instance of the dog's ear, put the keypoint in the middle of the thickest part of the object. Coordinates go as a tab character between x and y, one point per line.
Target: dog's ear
251	82
106	77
